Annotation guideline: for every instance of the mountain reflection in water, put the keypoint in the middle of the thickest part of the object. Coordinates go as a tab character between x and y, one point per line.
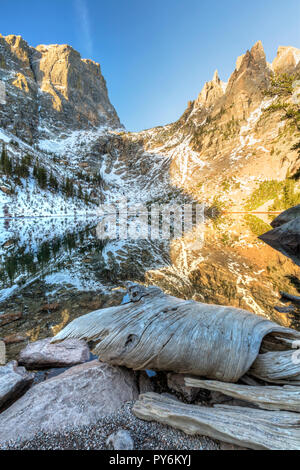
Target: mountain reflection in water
53	270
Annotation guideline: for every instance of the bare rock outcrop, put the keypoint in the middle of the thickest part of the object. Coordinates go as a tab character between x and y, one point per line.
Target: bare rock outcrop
13	381
286	216
78	397
286	60
42	354
211	92
51	89
120	440
286	239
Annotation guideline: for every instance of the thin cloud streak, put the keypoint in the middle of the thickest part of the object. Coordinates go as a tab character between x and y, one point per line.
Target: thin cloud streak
84	20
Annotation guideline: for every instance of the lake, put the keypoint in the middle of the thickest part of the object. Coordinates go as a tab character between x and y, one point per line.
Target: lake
55	269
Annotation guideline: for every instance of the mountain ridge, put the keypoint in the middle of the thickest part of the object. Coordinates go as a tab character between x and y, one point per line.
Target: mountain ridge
221	150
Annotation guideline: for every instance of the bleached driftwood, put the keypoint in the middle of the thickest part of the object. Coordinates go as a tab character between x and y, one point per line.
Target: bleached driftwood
277	366
293	298
246	427
268	397
160	332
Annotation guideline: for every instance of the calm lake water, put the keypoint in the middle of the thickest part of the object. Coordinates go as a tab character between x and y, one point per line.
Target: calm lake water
55	269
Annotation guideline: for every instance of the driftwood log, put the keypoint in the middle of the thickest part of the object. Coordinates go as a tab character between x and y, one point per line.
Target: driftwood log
160	332
276	367
292	298
246	427
268	398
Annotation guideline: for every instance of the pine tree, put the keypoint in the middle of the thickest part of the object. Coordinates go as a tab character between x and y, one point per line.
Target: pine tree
3	156
53	183
41	175
6	162
69	187
80	193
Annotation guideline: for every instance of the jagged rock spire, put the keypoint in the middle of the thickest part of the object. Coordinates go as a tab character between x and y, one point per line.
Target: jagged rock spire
211	92
286	60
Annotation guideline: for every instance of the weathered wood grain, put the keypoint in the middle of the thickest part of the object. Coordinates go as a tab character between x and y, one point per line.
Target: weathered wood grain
246	427
268	397
274	366
160	332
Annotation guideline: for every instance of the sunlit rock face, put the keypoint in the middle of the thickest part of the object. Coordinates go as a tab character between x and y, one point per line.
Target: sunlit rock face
51	88
56	114
226	143
286	60
73	89
211	92
221	149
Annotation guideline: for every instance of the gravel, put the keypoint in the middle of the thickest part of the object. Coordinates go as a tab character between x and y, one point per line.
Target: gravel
146	436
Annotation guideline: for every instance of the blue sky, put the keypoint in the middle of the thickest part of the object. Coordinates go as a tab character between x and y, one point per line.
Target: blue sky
155	54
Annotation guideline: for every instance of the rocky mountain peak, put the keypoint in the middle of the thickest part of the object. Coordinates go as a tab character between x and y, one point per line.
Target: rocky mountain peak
243	91
286	60
211	92
239	61
245	86
72	86
50	89
258	52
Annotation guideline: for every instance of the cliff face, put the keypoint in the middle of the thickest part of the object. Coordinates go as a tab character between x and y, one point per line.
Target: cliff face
56	108
50	90
227	143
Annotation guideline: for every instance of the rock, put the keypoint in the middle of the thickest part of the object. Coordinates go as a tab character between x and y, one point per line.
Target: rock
42	354
145	383
120	440
286	60
76	398
7	318
8	243
286	216
5	190
69	92
177	384
49	307
286	239
13	381
211	92
14	339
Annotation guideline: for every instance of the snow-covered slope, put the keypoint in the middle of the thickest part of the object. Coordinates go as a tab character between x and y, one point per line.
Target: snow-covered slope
21	197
